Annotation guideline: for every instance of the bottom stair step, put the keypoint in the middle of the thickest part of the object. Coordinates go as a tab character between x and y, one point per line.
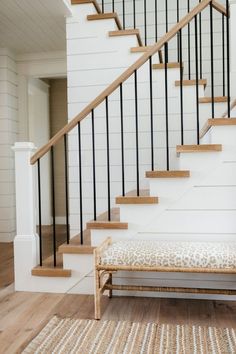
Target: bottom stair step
198	148
167	174
76	249
51	272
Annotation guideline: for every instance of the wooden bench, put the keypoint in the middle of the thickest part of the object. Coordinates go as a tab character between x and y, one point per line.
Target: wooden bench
161	256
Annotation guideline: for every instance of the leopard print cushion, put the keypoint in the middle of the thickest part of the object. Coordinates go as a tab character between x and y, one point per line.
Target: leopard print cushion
171	254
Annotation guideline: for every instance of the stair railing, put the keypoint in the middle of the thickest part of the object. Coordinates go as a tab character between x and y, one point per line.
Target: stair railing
124	95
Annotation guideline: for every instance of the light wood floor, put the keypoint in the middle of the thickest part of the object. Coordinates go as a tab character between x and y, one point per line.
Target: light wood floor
23	314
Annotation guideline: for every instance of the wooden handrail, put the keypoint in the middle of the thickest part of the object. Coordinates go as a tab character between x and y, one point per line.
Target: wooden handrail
123	77
217	6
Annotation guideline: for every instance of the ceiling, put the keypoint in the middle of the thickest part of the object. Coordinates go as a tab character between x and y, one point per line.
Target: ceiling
29	26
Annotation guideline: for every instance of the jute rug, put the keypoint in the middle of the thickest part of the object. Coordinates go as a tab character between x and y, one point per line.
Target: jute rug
91	337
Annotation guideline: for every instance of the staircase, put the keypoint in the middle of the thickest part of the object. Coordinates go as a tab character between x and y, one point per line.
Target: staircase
142	158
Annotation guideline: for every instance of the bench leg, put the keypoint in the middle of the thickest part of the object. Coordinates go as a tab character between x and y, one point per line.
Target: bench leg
97	296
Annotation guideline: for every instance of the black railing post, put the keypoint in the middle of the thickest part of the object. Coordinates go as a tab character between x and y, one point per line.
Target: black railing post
200	42
134	13
80	186
223	53
53	208
228	58
197	82
167	28
167	109
66	191
151	113
94	169
156	31
123	10
212	62
40	216
145	20
136	130
108	163
122	140
189	45
181	88
177	20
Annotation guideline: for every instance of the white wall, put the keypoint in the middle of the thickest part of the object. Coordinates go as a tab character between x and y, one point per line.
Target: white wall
39	133
8	135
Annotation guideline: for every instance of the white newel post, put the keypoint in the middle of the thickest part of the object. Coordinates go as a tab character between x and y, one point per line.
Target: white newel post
26	240
233	47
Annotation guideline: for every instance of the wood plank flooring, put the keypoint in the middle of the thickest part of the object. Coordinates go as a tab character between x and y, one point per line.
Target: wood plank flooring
23	315
6	264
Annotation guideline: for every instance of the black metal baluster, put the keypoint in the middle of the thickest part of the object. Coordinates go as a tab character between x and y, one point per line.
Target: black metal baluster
137	130
123	9
212	61
181	88
122	140
94	169
134	13
200	42
189	46
223	52
197	81
167	27
53	208
145	21
40	216
103	6
156	31
167	109
177	37
66	191
80	187
228	57
151	113
108	163
113	6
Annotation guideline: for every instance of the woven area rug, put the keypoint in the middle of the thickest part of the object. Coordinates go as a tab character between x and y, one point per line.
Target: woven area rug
91	337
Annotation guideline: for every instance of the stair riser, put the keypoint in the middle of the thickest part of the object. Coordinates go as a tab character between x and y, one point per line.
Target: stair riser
81	11
224	135
139	215
80	264
205	111
98	236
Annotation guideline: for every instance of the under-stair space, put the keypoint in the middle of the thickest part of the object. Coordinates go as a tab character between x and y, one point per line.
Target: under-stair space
148	151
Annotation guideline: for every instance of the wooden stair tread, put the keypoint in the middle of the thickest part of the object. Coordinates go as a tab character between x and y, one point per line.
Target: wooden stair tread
173	65
128	32
51	272
167	174
94	2
198	148
76	249
216	122
136	200
109	225
218	99
191	82
106	16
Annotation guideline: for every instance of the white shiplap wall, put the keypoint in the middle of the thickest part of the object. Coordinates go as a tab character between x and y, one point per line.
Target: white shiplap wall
8	135
161	30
